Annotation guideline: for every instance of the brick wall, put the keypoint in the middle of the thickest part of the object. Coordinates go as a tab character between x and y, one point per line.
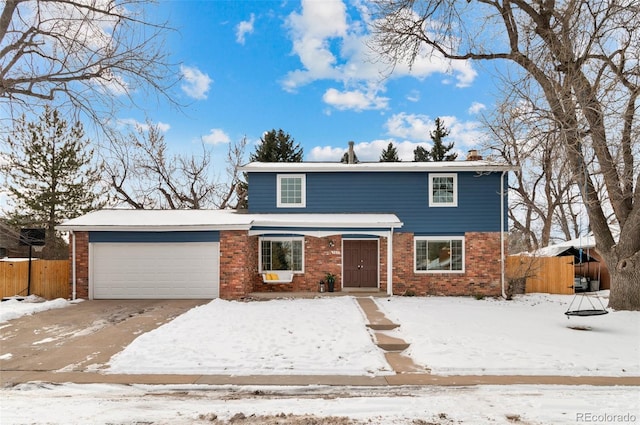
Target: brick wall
82	266
320	258
238	263
481	276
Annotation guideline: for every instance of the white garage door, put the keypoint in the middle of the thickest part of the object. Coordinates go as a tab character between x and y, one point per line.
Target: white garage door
154	270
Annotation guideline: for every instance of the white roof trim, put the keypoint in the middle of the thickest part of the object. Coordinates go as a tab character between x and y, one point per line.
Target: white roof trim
439	166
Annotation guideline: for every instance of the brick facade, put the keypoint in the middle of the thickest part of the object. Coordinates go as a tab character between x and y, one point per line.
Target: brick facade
481	276
238	263
82	266
239	266
320	258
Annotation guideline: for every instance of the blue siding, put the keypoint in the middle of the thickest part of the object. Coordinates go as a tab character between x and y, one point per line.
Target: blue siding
402	193
132	237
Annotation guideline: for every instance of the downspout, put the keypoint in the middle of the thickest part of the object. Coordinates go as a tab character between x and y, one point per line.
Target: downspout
390	263
73	265
502	259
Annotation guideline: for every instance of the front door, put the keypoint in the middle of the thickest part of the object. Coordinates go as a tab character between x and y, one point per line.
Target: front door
360	263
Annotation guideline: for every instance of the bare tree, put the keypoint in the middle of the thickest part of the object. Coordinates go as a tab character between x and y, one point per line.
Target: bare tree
583	55
143	174
80	55
544	191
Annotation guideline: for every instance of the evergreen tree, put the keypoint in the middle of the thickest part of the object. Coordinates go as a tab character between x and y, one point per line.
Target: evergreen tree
49	175
439	149
420	154
389	154
277	146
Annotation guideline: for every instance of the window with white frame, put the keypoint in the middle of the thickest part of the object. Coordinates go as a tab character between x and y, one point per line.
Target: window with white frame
439	254
291	190
281	253
443	190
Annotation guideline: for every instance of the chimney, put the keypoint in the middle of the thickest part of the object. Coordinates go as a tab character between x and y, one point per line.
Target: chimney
350	156
474	156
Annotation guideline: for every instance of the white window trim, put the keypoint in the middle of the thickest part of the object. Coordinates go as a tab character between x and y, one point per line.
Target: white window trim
279	238
438	238
432	203
303	191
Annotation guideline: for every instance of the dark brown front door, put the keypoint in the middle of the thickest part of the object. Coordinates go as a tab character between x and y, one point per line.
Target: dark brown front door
360	265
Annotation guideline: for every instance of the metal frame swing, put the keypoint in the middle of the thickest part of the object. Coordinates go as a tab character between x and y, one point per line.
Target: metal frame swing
593	311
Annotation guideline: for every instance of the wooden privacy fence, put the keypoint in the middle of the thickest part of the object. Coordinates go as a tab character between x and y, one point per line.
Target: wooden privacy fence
551	275
49	278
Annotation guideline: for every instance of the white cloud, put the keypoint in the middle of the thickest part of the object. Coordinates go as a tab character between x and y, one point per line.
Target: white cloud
334	46
417	128
326	154
413	96
476	107
196	83
410	126
311	31
216	136
244	28
354	99
131	122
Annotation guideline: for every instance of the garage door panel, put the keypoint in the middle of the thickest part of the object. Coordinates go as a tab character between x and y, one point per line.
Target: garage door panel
155	270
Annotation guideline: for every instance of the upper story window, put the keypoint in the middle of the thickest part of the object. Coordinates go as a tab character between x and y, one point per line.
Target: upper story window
292	190
443	190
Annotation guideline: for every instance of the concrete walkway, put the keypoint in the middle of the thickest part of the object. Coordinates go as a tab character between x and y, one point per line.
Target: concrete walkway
48	349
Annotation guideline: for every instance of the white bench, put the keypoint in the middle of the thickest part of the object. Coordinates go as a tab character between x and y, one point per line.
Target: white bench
277	277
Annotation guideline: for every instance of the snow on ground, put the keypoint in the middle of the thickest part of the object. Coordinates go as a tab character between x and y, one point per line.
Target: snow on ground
301	336
191	404
529	335
13	308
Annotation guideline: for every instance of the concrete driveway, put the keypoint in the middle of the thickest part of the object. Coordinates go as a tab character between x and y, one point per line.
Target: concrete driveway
80	337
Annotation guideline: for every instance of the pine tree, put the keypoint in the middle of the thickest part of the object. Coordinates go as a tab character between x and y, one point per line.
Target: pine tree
389	154
420	154
277	146
49	175
439	149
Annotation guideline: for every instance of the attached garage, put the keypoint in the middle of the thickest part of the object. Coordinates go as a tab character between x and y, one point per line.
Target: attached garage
150	254
161	270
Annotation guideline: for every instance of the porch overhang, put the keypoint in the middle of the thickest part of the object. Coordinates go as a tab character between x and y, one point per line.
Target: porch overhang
324	225
321	225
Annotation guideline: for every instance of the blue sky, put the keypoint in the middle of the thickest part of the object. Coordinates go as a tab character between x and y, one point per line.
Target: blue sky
305	67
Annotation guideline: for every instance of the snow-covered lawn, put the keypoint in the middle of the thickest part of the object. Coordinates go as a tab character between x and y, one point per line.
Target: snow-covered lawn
278	337
527	336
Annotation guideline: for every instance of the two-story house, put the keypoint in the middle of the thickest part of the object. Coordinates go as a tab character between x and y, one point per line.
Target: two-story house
427	227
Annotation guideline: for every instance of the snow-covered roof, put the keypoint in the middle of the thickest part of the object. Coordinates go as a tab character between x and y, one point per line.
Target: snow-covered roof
447	166
176	220
153	220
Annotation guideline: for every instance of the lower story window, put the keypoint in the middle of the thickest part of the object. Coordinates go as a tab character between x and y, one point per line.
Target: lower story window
281	253
439	254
